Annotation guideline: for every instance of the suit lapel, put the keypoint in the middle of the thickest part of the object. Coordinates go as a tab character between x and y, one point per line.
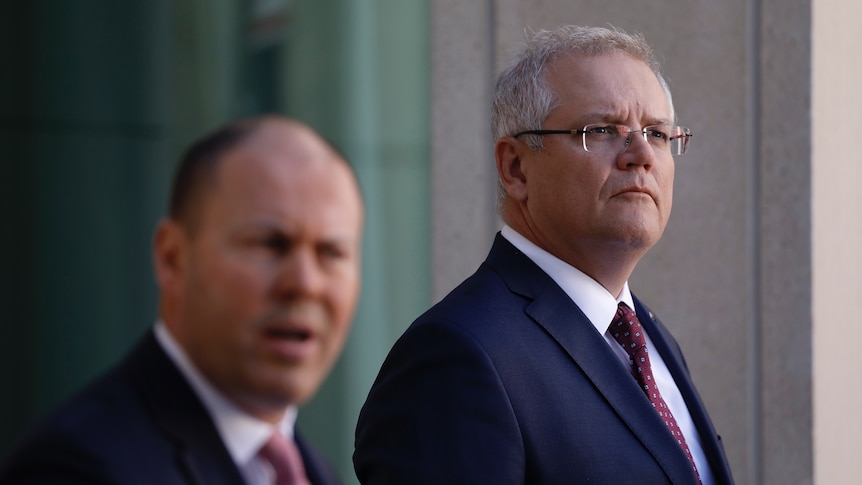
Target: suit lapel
180	416
566	324
662	340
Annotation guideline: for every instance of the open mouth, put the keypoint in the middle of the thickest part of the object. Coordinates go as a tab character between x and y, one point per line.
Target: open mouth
296	335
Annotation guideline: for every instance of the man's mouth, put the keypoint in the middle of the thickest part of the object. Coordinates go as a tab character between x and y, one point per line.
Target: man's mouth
298	335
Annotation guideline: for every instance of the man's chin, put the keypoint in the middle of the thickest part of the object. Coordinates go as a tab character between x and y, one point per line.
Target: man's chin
290	390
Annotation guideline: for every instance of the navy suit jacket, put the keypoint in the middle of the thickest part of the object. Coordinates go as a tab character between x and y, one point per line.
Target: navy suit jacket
506	381
140	424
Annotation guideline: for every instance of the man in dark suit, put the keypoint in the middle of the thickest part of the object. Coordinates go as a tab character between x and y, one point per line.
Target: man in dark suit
258	273
542	367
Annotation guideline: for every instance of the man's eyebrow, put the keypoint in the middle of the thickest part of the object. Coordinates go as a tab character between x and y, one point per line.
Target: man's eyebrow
611	117
657	121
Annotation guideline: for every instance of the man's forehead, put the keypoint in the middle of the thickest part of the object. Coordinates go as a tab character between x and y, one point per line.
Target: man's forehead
280	150
592	65
605	85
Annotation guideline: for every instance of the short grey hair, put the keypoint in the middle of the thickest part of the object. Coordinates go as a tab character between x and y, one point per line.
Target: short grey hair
522	99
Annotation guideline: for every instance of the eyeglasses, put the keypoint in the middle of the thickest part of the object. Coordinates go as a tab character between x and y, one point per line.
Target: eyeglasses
615	139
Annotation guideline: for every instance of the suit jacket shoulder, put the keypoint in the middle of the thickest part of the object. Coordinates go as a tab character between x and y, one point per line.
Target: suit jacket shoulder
140	423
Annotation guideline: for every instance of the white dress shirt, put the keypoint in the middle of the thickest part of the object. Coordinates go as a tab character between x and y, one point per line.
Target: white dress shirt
600	307
242	433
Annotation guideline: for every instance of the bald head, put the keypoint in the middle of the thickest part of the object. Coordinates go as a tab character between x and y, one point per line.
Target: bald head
268	135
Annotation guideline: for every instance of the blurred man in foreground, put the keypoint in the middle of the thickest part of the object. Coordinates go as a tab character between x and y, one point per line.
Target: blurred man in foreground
258	272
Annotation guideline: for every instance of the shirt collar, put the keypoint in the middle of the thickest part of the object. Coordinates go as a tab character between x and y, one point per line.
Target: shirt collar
593	299
242	433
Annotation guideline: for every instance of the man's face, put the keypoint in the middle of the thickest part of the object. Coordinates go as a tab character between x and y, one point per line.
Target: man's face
269	282
581	204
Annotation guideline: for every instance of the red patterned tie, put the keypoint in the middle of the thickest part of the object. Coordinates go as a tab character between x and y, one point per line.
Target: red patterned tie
285	459
626	329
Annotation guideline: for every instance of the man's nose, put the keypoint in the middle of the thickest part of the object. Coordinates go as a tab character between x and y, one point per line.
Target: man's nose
637	152
300	273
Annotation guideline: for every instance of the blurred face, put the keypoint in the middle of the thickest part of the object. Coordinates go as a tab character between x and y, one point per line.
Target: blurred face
267	287
579	204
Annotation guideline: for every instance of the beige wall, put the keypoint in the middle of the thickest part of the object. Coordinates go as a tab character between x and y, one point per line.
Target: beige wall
751	241
837	201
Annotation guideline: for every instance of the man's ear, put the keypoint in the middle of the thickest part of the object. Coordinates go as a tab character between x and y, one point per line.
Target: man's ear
170	254
512	178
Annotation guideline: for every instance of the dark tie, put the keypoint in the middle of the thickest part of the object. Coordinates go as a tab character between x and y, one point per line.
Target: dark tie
626	329
285	459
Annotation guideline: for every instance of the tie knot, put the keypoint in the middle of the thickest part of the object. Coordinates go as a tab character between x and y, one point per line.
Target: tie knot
626	329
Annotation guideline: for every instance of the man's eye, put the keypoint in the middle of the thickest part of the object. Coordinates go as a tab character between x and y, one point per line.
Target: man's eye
658	134
331	252
276	244
602	130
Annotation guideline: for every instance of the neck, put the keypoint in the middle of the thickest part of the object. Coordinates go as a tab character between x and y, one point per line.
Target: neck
609	263
611	275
